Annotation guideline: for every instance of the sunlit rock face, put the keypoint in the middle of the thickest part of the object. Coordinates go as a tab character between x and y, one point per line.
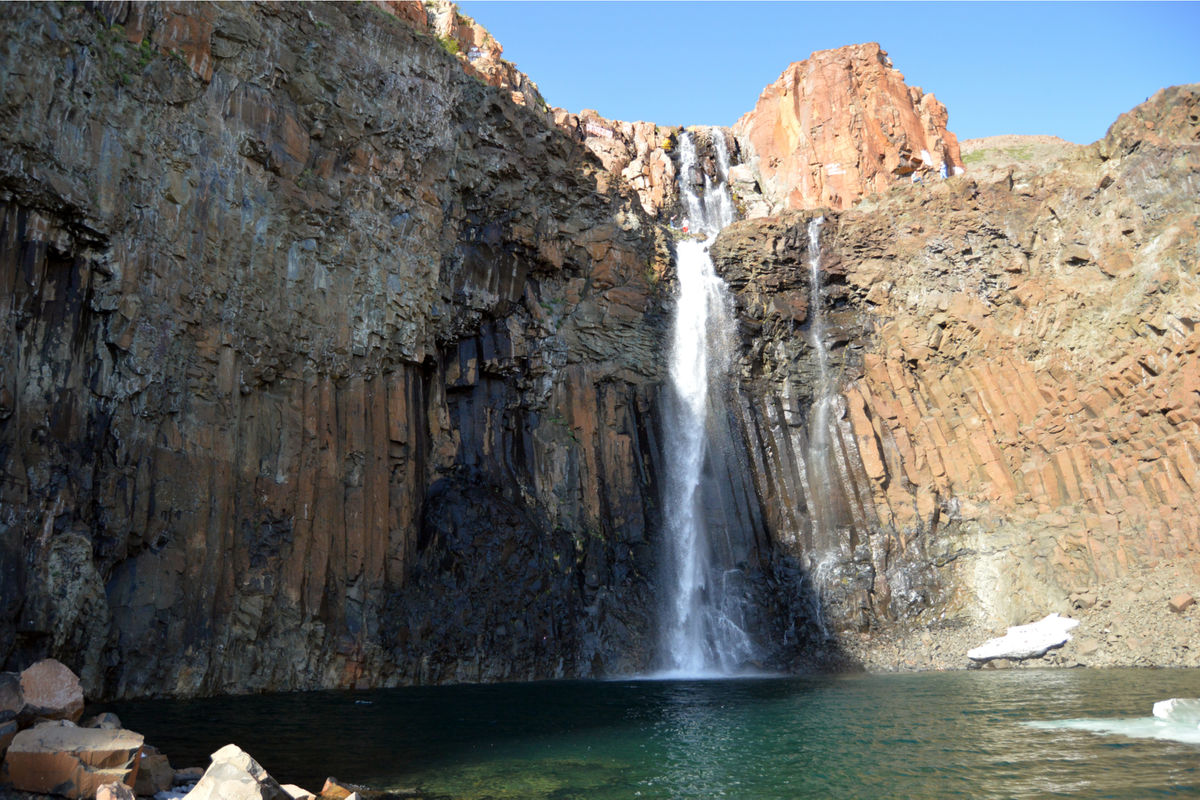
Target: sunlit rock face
840	125
1019	364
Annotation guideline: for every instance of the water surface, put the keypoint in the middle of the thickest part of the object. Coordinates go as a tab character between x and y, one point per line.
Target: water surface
931	735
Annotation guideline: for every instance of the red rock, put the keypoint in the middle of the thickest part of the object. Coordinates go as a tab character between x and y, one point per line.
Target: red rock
70	761
335	790
51	691
1181	602
841	125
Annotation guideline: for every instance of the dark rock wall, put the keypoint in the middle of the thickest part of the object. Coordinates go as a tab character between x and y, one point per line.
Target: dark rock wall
296	312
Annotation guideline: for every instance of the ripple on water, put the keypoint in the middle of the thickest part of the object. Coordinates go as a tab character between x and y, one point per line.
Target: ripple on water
969	734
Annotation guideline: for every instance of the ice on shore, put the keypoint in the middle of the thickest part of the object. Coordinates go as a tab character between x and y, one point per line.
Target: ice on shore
1176	720
1026	641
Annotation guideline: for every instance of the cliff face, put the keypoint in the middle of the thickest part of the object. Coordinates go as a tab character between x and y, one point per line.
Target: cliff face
1019	417
333	366
842	125
322	365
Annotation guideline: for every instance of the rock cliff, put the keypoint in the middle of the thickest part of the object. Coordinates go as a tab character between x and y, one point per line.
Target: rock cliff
323	365
1019	419
332	358
842	125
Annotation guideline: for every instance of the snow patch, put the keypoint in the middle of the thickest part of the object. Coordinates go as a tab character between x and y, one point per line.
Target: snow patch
1026	641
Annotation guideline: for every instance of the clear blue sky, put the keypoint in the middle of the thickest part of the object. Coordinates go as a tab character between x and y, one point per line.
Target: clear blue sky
1067	69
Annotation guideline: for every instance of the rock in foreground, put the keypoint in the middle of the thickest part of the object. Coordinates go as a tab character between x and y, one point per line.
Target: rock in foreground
72	762
234	775
51	691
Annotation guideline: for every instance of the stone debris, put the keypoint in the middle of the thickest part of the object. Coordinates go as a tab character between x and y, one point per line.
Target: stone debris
51	691
1181	602
1026	641
70	761
296	793
235	775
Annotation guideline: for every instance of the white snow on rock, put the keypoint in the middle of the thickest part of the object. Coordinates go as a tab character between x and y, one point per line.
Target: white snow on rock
1180	710
1026	641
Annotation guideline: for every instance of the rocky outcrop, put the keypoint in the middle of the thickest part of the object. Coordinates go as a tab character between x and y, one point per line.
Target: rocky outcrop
270	301
480	55
842	125
59	758
1022	420
638	153
235	775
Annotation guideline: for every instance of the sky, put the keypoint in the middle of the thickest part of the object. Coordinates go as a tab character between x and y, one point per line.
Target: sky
1064	69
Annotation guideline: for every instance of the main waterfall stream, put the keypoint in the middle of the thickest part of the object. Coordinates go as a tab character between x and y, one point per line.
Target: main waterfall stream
704	630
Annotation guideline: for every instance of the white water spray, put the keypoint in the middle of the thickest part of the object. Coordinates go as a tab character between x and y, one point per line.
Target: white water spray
704	631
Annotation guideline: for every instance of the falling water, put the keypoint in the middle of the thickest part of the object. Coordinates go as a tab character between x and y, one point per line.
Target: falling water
822	551
704	630
819	472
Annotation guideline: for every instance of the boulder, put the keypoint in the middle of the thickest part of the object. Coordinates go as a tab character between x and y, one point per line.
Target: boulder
114	791
71	761
234	775
1026	641
335	790
51	691
155	774
107	720
297	793
11	699
11	703
8	730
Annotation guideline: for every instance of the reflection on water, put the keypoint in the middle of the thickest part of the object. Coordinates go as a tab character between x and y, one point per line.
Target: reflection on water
911	736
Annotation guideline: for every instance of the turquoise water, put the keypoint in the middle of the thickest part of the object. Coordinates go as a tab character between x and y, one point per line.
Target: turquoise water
930	735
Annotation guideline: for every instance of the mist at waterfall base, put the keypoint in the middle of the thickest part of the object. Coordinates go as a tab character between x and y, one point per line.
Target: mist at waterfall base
928	735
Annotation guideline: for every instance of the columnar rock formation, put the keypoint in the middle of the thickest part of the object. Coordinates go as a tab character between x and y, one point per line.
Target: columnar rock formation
327	364
1021	401
324	365
841	125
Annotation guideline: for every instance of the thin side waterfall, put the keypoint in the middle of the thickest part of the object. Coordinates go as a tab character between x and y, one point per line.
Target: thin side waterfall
823	548
704	627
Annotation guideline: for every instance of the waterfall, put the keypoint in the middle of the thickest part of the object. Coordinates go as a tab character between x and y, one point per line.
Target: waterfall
820	479
704	629
823	550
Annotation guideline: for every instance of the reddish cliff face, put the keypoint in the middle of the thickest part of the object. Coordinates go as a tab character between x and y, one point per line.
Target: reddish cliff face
1019	419
841	125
